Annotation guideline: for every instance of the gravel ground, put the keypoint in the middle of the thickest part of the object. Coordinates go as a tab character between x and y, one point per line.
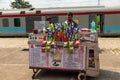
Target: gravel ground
109	43
14	60
106	45
13	43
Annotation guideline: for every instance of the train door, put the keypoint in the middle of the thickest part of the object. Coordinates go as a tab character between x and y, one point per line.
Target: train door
30	22
54	18
99	20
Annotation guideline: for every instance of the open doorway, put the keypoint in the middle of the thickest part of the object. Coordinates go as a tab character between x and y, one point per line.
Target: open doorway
99	21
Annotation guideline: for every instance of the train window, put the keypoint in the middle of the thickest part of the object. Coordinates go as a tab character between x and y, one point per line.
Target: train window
5	23
17	22
22	12
38	12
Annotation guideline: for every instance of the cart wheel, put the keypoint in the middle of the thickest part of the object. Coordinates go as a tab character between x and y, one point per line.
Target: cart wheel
82	75
35	70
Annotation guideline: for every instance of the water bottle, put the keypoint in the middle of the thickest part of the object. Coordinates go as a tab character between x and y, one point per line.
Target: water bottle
93	26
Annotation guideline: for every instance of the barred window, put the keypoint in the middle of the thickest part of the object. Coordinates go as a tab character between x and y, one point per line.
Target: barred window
5	23
17	22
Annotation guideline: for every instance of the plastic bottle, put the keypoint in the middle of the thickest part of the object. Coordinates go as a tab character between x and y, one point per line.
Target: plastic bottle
93	26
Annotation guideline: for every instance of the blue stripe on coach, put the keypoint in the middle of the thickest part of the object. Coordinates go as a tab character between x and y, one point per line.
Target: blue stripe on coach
115	28
13	30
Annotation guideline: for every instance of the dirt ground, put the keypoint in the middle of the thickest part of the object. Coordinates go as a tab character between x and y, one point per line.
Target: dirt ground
14	61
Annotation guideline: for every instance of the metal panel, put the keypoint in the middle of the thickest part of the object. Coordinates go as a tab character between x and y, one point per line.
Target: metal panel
112	20
0	22
30	22
62	18
43	18
11	22
112	24
84	21
54	18
23	23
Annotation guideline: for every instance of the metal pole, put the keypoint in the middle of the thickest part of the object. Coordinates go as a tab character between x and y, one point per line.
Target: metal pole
98	2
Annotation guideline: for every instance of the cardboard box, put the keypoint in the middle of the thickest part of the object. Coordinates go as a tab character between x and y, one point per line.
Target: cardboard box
36	38
88	36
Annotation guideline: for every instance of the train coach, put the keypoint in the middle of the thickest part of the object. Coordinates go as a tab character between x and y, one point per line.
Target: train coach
21	22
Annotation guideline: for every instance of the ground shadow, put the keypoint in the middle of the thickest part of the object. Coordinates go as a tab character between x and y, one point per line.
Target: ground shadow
101	50
55	75
68	75
106	75
25	49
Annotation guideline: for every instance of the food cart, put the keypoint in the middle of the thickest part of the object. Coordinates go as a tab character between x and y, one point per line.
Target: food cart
79	55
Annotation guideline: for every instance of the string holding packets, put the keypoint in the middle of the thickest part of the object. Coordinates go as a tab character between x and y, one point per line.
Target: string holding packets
62	36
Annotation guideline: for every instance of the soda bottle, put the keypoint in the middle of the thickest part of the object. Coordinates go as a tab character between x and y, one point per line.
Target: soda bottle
93	26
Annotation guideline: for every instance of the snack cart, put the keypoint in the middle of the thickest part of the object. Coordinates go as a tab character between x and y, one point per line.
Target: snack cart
61	53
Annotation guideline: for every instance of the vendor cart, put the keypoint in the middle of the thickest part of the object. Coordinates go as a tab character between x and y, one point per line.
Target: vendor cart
84	58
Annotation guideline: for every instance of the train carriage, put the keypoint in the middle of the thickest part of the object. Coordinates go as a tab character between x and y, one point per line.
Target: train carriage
20	22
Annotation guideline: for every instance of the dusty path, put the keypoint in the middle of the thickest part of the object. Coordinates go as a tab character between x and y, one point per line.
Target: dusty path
14	61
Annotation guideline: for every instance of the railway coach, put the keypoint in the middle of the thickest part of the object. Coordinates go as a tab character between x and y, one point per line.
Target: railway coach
20	22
